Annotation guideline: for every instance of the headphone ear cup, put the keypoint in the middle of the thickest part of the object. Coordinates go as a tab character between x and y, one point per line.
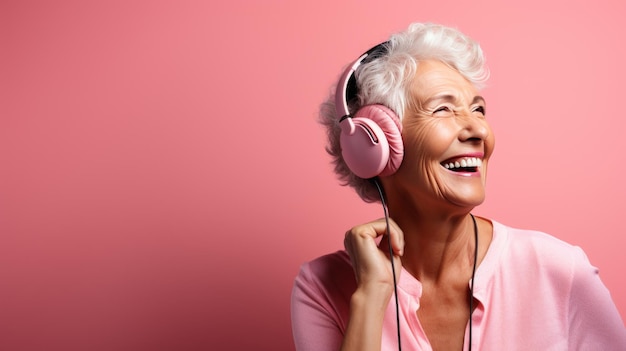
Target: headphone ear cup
364	147
371	142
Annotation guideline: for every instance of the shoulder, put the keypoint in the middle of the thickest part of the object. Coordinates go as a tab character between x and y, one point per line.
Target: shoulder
532	238
540	256
530	267
329	273
538	246
320	299
549	264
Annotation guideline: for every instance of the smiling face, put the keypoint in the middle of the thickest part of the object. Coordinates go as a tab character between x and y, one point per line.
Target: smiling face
446	137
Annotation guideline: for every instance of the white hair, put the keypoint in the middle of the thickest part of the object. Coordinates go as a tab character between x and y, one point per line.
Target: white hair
386	80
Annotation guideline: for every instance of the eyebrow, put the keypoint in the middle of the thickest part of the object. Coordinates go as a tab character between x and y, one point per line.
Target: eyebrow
452	98
478	99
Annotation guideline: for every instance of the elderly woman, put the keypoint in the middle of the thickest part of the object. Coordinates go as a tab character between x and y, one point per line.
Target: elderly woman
407	128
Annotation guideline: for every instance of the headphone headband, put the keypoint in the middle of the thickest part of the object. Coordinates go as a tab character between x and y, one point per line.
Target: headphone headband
347	88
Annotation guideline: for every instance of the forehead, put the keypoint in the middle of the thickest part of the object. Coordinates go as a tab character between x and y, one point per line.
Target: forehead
435	77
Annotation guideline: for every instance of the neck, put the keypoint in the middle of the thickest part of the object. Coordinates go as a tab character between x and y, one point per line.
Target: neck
439	243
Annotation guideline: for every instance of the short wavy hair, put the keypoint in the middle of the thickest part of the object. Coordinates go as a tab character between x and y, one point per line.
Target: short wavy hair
386	80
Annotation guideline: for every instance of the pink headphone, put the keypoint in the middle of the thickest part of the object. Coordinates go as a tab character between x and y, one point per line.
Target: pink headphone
371	139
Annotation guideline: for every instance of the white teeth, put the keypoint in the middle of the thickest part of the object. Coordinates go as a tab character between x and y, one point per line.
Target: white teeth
465	162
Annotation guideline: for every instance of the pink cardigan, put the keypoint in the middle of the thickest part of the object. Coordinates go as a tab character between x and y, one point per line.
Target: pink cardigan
535	292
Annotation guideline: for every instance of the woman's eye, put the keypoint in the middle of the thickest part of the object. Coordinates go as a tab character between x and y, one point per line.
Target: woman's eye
442	109
480	109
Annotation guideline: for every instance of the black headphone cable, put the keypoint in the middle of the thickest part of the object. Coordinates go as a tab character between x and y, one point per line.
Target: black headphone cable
393	268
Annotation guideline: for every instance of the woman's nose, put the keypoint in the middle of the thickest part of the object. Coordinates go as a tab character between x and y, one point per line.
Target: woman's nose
473	128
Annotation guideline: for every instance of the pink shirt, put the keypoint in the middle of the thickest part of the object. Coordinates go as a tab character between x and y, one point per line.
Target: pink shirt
535	292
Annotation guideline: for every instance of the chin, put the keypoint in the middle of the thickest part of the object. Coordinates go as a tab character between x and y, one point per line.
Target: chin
467	201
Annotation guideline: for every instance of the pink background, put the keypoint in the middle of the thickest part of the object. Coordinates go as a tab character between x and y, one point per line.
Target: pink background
162	174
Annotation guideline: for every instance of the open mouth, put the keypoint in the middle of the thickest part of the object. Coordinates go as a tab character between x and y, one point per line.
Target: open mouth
464	164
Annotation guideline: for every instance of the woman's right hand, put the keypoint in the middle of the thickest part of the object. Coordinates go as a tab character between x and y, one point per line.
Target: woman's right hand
370	261
372	267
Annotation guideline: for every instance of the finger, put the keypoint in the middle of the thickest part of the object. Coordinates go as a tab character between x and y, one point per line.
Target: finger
372	230
396	237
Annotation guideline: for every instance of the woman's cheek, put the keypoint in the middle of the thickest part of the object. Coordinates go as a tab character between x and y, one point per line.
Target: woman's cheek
427	137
